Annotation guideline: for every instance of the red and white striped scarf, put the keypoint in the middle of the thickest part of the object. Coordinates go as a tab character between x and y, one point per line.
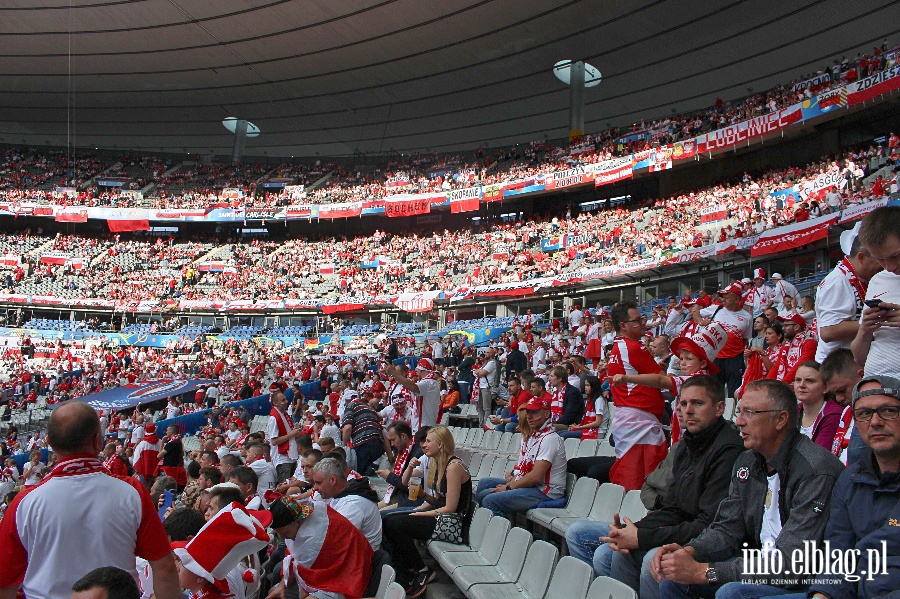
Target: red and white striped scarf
399	465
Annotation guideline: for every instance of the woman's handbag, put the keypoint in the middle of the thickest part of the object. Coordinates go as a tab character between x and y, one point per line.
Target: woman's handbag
449	528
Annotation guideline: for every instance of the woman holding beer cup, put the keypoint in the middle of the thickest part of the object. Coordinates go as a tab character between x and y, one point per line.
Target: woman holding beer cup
448	479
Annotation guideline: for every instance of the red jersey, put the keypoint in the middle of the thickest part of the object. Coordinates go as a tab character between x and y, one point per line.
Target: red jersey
630	357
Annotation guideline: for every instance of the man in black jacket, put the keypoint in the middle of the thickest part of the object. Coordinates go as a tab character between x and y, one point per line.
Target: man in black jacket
406	447
702	471
567	405
516	361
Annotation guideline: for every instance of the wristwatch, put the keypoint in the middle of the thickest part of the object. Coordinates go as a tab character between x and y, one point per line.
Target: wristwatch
712	577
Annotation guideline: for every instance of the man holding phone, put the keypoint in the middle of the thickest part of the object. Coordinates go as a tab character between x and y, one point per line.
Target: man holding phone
877	342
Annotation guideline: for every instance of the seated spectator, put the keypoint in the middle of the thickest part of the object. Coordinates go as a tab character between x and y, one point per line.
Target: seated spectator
778	499
313	529
702	468
595	423
841	373
540	473
798	347
864	499
355	499
406	448
448	476
819	415
508	419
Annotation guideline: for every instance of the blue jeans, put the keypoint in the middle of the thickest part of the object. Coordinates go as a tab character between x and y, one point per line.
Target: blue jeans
569	434
465	392
583	540
633	569
516	501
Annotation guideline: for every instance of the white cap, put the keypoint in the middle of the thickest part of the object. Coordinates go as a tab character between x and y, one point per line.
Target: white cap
848	237
776	276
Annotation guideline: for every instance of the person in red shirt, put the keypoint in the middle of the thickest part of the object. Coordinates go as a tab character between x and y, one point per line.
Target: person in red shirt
517	397
703	299
640	442
113	462
801	214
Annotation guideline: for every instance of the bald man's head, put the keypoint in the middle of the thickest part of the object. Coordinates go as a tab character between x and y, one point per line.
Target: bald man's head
74	427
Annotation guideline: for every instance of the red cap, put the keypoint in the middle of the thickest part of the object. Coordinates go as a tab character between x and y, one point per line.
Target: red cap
737	287
536	403
150	428
514	345
801	322
425	364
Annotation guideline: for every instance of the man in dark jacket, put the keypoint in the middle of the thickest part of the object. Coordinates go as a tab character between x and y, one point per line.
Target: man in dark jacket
777	503
865	504
567	405
516	361
702	470
406	447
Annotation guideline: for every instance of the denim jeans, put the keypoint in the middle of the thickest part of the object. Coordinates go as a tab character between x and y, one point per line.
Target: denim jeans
633	569
367	454
569	434
583	540
730	590
516	501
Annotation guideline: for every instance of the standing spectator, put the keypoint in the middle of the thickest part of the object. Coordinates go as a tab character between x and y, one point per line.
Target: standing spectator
362	430
488	381
782	289
759	296
35	469
540	473
640	443
779	496
172	456
47	565
567	405
516	361
739	326
839	298
877	344
282	437
465	373
798	347
426	391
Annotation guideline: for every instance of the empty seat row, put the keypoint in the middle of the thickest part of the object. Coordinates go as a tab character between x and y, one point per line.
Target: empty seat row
505	561
587	501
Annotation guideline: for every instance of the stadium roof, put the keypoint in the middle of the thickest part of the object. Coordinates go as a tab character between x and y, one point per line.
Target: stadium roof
332	78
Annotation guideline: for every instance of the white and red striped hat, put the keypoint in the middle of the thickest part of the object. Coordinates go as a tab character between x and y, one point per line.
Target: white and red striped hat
425	364
221	544
705	343
759	273
737	288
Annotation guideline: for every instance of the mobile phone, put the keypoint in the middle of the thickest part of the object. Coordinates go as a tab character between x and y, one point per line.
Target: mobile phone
168	498
873	303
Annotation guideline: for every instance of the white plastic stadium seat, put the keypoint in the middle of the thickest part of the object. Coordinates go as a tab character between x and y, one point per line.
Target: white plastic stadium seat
607	503
581	499
632	506
508	567
532	582
571	579
395	591
388	575
487	555
587	449
605	587
571	446
477	530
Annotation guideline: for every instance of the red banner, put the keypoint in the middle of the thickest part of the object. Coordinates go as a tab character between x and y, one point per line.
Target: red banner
80	216
874	86
408	206
347	210
684	149
334	308
740	132
123	226
614	175
793	236
464	200
492	193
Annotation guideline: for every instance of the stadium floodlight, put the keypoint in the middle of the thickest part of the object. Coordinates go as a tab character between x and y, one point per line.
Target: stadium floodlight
578	75
242	129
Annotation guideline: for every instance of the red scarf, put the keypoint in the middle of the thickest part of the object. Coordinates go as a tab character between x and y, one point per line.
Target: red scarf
858	284
399	466
556	403
283	421
78	464
841	440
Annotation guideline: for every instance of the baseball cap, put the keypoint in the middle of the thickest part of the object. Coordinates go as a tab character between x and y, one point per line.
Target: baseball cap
776	276
536	403
737	287
795	318
425	364
890	386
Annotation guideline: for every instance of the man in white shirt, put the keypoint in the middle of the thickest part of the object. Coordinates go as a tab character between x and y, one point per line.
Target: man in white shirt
265	472
437	349
488	376
540	473
759	296
539	355
282	436
839	298
877	344
212	396
575	317
782	288
355	500
739	326
426	392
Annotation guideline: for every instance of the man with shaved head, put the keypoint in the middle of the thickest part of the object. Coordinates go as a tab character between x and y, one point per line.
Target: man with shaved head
43	533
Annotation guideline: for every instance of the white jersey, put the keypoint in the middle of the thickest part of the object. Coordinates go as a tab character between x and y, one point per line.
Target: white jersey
882	358
837	301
